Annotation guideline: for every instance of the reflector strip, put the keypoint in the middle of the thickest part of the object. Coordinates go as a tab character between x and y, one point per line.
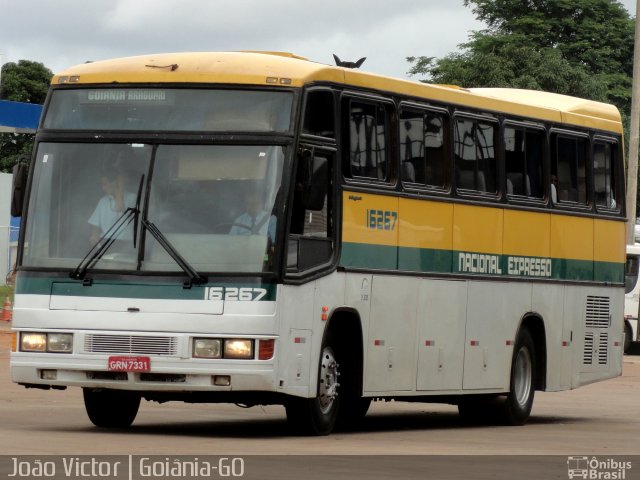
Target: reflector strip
300	340
378	343
474	343
509	343
565	344
429	343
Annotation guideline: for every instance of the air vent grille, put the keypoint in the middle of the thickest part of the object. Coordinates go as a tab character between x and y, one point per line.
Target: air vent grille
131	344
588	349
598	313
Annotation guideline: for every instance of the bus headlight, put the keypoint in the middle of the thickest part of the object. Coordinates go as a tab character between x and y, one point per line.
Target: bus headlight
241	349
46	342
60	342
33	342
206	348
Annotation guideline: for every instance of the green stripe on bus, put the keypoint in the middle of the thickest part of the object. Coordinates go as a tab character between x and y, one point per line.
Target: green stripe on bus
424	260
448	261
366	255
167	291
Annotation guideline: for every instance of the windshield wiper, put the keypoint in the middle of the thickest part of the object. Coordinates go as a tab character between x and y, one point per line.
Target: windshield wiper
97	251
101	246
136	215
194	276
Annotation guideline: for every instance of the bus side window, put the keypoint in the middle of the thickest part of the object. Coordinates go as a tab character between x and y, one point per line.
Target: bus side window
523	156
475	155
311	238
368	153
568	166
604	174
319	118
422	147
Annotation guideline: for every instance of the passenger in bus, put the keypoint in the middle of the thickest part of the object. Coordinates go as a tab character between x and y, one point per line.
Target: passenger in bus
256	220
554	189
111	206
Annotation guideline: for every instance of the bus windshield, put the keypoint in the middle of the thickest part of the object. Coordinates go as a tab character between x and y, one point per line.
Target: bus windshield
217	205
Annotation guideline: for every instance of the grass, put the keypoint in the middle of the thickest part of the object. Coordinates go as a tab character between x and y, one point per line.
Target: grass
5	290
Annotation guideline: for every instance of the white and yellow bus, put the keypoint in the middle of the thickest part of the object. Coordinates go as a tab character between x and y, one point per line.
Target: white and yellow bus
256	228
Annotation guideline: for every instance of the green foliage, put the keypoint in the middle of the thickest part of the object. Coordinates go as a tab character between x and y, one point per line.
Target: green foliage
582	48
25	81
28	82
577	47
13	148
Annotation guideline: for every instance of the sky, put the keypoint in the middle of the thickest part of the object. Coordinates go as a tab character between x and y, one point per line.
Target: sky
63	33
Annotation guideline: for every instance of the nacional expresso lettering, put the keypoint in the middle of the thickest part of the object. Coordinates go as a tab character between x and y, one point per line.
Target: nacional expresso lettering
515	266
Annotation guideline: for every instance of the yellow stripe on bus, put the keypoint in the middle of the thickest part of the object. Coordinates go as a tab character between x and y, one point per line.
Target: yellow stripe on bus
386	220
608	245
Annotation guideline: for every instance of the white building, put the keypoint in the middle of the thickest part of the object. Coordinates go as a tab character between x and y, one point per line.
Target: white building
5	226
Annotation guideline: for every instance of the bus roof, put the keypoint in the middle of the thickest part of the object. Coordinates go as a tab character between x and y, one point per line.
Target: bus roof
286	69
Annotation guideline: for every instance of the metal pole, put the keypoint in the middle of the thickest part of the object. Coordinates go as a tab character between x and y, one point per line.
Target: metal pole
632	174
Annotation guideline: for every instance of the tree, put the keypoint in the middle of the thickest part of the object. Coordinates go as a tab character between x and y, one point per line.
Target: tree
25	81
582	48
577	47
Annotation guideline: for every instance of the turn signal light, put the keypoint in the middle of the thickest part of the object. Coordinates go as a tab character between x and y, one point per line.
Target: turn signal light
266	349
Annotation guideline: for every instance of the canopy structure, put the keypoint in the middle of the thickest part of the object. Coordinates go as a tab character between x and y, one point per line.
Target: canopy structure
17	117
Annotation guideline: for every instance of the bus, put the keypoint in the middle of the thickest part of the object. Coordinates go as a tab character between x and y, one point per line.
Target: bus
631	297
260	229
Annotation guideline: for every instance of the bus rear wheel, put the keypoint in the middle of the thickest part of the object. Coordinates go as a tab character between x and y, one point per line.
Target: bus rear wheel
515	407
111	408
317	416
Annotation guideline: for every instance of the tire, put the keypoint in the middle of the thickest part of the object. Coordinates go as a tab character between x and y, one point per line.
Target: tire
628	333
111	408
516	406
318	415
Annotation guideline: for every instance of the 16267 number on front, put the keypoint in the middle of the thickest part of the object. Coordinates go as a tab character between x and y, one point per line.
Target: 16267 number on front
241	294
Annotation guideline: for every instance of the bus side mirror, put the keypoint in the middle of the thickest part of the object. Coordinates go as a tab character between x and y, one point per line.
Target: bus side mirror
316	180
18	188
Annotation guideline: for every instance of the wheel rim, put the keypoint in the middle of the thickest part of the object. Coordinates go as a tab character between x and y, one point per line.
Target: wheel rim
328	391
523	372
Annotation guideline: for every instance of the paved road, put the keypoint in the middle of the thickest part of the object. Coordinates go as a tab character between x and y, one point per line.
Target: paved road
599	419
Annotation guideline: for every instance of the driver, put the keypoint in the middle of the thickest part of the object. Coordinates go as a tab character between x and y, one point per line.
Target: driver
255	220
111	206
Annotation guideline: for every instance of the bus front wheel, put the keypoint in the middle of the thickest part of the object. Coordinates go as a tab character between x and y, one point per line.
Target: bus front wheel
111	408
317	416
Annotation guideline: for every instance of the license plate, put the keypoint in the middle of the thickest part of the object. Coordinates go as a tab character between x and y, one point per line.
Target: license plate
129	364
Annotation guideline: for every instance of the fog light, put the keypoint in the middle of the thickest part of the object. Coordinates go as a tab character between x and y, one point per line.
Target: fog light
206	348
60	342
49	374
222	380
238	349
33	342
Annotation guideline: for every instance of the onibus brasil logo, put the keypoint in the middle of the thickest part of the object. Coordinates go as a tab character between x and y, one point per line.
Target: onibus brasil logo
595	468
